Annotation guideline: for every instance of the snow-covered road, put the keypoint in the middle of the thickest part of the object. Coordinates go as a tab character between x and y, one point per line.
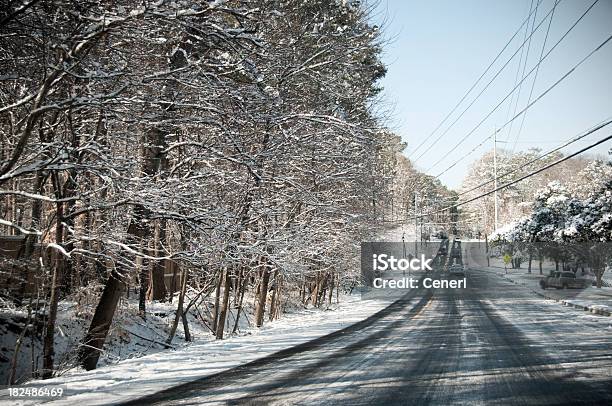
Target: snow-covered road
493	343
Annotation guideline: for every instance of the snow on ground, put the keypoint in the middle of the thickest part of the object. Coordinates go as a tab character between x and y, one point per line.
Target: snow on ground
118	379
130	336
133	378
596	300
579	340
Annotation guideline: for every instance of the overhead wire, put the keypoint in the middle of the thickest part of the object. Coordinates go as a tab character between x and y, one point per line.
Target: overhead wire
484	89
473	86
565	76
535	78
522	74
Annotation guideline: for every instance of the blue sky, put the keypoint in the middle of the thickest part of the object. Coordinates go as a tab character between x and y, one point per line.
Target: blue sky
437	49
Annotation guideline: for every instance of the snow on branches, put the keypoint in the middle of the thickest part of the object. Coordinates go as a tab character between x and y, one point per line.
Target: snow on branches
172	146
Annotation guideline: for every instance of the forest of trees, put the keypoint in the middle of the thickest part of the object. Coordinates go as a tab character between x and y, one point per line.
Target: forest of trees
184	150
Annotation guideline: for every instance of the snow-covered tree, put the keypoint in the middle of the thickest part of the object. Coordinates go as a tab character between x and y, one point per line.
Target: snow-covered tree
589	227
564	228
224	148
515	201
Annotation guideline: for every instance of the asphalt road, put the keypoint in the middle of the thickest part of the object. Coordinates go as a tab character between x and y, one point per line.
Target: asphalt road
492	343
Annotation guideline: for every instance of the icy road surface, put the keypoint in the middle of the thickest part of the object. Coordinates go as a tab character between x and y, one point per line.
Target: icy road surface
492	343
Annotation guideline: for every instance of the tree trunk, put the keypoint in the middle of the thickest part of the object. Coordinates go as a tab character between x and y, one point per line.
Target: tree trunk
599	277
101	322
530	259
217	299
157	285
243	286
48	348
263	295
57	263
154	160
322	289
179	310
32	239
186	326
278	307
303	291
274	297
143	276
331	289
315	292
224	306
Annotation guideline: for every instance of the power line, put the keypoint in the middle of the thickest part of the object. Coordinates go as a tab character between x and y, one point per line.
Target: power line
567	74
519	179
528	106
512	91
571	141
518	94
481	91
535	77
473	86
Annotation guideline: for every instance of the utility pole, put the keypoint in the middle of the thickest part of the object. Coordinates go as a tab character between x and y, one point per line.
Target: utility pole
495	142
404	251
416	224
495	175
421	227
